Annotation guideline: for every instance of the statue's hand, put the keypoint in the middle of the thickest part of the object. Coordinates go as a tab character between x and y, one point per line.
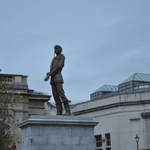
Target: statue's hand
48	74
46	78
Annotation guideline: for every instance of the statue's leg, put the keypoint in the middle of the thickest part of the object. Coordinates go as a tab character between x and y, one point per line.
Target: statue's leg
64	99
67	108
57	100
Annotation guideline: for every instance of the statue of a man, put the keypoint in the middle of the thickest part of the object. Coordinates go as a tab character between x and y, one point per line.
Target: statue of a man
56	67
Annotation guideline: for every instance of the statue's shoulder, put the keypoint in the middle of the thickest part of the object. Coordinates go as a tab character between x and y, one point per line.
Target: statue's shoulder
62	56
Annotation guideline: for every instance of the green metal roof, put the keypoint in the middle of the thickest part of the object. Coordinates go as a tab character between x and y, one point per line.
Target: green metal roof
138	77
109	88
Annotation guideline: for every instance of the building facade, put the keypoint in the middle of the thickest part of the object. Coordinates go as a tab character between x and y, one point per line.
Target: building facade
123	114
26	101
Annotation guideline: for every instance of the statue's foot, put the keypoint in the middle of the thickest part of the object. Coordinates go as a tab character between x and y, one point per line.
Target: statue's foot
67	113
59	113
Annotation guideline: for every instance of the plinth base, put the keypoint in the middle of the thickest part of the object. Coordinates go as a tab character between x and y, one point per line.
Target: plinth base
58	133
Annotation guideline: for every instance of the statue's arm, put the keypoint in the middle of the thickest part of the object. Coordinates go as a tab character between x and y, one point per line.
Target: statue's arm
58	67
48	73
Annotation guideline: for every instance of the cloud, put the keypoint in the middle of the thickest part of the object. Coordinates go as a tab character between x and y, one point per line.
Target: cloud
103	41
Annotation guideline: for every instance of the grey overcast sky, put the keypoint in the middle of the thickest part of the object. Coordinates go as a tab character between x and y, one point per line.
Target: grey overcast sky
104	41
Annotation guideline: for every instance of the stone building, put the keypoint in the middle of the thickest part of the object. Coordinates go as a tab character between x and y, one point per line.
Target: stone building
28	101
123	113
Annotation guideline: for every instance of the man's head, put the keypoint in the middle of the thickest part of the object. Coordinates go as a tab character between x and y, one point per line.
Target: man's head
58	49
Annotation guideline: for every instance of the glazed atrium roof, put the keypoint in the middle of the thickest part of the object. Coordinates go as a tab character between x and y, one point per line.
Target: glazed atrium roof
138	77
109	88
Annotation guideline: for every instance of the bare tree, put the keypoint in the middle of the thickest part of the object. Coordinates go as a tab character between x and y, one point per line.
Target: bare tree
7	98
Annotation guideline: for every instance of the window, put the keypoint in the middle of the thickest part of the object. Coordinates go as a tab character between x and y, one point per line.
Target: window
107	141
6	79
18	79
98	142
103	142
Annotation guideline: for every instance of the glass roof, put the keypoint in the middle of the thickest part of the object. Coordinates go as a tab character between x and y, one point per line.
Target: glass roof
138	77
109	88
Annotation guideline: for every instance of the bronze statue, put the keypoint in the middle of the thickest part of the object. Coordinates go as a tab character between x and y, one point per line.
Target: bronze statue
56	82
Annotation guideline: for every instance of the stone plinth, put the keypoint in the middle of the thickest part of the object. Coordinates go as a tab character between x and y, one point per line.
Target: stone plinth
58	133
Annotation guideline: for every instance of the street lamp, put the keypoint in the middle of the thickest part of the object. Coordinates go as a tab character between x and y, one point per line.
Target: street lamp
137	138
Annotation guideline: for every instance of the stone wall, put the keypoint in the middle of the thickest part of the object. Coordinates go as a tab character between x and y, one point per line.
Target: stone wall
58	133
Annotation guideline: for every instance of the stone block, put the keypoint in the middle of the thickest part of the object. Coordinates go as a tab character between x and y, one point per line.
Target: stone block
63	147
58	133
75	140
91	147
55	140
80	148
39	147
39	140
86	139
76	131
34	130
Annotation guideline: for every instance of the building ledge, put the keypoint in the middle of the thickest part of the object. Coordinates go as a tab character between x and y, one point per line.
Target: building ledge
100	108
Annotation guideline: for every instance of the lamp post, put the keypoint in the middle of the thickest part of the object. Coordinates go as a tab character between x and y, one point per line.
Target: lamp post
137	138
